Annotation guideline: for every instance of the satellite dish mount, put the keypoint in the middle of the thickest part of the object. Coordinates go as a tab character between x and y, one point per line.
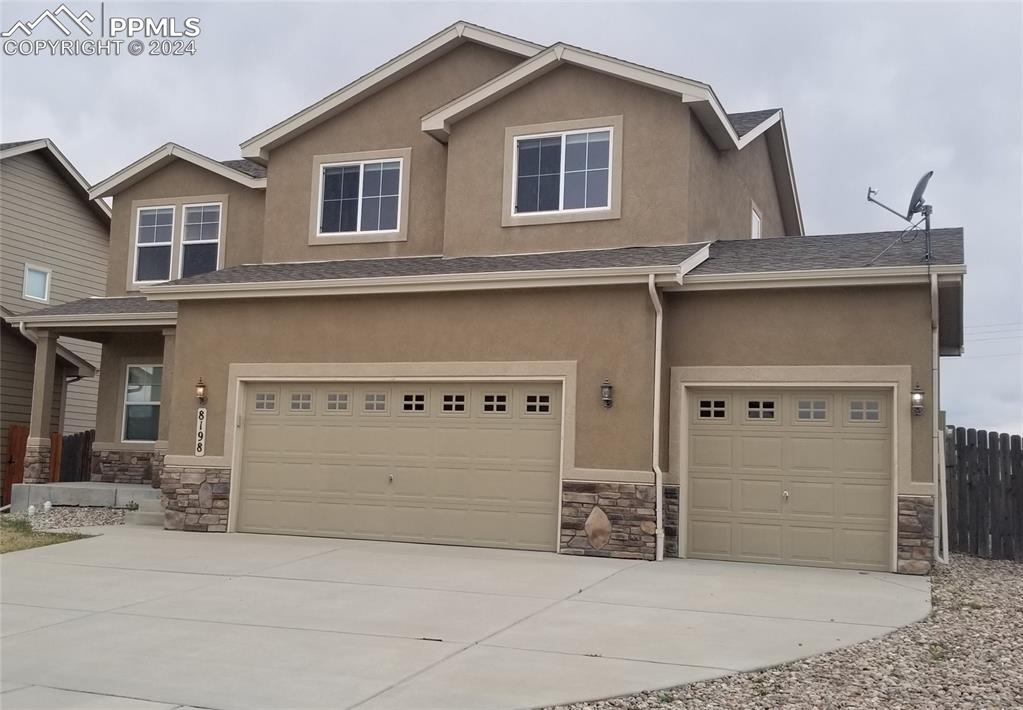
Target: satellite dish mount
916	206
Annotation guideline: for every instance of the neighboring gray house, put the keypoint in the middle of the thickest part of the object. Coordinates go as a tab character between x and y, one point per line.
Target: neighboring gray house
54	244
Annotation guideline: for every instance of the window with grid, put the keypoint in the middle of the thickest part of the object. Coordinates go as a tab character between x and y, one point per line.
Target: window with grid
815	410
153	239
200	241
864	410
266	401
301	401
413	402
337	401
495	403
360	197
712	409
760	409
538	404
453	403
564	171
374	402
142	393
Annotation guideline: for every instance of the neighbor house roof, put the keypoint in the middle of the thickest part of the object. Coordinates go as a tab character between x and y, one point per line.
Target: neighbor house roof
258	147
63	166
743	123
112	311
243	172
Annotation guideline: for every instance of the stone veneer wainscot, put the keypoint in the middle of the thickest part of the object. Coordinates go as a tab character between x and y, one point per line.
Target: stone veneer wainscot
622	520
916	534
195	498
125	466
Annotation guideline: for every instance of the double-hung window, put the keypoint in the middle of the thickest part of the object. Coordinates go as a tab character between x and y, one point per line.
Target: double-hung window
360	197
154	237
200	239
562	172
142	394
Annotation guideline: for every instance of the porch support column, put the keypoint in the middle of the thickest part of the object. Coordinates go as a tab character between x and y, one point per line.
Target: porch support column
37	449
167	390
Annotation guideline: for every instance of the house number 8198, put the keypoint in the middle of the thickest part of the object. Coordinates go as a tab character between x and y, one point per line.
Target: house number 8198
200	431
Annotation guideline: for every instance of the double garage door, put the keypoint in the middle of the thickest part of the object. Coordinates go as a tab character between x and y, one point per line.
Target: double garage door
453	463
792	477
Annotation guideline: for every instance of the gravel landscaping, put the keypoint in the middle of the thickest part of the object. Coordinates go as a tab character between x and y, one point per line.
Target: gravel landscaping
967	654
68	517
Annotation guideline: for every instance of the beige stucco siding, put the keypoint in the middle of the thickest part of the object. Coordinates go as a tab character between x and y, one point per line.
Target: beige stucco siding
799	327
607	331
722	185
243	237
386	120
118	352
655	181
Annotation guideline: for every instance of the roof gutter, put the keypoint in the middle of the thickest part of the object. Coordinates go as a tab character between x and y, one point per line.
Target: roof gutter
872	275
549	278
83	366
79	320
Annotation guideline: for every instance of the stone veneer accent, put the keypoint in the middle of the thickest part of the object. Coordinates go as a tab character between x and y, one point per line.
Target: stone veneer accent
37	463
608	520
916	534
671	520
195	498
125	466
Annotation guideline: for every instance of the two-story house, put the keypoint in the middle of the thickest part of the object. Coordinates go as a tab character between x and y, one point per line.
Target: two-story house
499	294
53	250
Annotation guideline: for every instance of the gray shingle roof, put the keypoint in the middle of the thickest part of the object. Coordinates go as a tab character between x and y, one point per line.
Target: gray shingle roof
250	168
743	123
15	144
830	251
105	307
437	265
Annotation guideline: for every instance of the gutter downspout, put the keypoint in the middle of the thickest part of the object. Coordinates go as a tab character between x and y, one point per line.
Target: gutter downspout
937	448
658	474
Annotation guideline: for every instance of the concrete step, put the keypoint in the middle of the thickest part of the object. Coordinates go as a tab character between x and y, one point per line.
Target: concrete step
138	517
148	505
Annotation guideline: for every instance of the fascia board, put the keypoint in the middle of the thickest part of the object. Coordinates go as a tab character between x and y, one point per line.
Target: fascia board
97	319
823	277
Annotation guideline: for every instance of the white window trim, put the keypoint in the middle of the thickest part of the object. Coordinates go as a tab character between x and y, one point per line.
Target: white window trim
137	245
125	404
756	218
24	283
358	221
181	234
561	179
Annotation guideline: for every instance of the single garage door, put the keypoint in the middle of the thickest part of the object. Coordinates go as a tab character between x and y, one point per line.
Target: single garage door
451	463
791	477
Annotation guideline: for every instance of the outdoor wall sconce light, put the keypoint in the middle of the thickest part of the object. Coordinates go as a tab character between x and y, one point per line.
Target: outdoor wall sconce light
200	391
916	397
607	394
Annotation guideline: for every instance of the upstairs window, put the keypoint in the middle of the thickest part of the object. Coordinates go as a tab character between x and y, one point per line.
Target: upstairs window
360	197
154	236
37	283
755	223
563	172
200	241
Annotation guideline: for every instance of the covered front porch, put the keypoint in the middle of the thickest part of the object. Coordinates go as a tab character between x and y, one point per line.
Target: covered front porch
135	376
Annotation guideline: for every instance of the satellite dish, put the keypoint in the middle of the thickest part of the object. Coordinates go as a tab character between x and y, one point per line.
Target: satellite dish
916	202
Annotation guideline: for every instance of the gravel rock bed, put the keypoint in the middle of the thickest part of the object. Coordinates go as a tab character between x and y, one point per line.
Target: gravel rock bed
967	654
68	517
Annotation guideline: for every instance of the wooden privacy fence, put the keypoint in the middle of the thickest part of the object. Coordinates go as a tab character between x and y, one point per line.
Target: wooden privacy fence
76	451
985	493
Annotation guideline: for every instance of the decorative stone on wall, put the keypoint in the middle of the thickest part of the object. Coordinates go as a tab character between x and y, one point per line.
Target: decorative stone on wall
125	466
671	520
916	534
195	499
608	520
37	463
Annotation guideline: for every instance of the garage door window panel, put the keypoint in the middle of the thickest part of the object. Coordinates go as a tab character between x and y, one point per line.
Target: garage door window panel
374	403
413	403
495	404
337	402
455	404
762	410
813	410
865	411
538	405
300	403
713	408
264	402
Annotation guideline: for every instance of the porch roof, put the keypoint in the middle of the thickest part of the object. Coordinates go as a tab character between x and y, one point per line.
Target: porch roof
122	310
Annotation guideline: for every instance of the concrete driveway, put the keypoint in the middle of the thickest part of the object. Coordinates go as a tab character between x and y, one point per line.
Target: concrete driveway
143	618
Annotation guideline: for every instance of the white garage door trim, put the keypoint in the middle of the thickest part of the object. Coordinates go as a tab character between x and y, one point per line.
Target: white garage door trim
895	379
241	375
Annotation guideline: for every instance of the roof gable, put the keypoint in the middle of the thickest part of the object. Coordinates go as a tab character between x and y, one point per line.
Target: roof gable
63	167
259	146
244	172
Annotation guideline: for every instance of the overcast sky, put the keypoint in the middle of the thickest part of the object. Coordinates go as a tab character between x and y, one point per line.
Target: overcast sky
874	94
